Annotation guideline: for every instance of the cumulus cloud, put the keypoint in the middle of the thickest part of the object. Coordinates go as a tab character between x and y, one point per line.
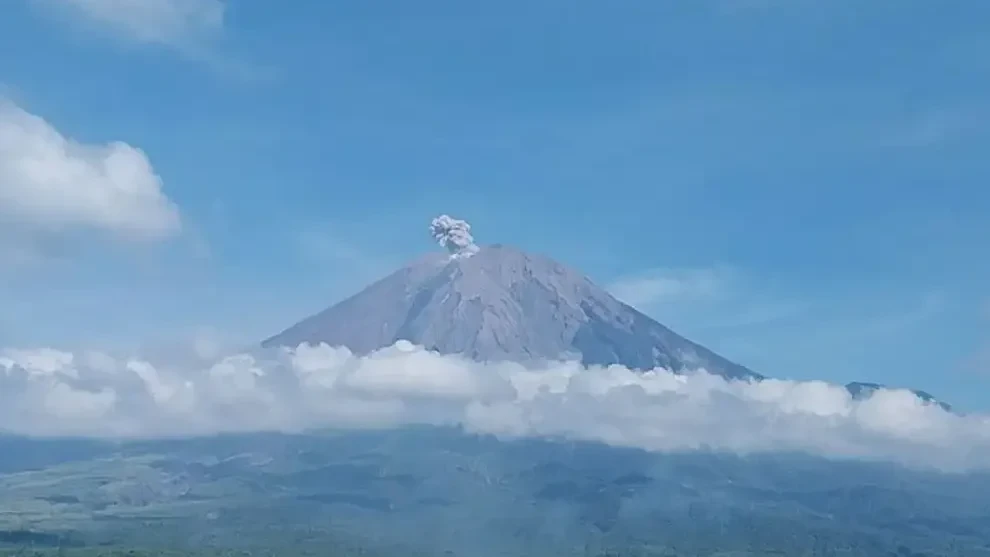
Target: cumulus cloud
51	184
171	22
51	392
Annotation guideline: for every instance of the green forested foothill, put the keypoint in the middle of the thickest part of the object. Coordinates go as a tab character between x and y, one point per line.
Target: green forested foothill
440	492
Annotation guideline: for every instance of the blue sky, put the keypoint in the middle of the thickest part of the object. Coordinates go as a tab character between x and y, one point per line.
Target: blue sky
800	185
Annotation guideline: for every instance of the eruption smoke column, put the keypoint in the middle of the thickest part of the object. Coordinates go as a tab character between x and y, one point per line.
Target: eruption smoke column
453	234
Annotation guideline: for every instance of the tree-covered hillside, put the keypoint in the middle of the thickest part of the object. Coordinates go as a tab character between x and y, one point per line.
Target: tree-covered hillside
442	492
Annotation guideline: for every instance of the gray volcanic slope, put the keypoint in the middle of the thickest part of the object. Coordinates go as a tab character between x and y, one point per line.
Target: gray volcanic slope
503	304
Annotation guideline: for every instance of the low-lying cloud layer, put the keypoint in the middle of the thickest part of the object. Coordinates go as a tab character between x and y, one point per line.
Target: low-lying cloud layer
49	392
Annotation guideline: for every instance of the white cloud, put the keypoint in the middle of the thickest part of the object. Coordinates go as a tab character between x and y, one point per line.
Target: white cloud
48	392
322	244
172	22
661	286
979	362
707	301
52	184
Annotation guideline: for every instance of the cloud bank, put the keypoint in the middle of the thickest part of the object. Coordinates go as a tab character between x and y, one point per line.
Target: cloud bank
51	392
51	184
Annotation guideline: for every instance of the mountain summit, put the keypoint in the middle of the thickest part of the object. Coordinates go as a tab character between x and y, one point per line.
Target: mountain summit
492	303
496	303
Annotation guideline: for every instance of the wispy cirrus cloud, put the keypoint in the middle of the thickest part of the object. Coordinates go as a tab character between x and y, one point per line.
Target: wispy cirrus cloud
935	126
176	23
780	328
322	244
726	298
713	297
979	362
343	264
191	28
661	286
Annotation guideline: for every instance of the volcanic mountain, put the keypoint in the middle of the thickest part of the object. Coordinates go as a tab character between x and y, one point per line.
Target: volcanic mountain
499	303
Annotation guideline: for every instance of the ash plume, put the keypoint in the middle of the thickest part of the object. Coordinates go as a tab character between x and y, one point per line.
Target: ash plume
453	234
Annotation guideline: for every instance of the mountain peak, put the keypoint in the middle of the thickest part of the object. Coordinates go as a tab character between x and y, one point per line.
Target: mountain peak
862	390
499	303
496	302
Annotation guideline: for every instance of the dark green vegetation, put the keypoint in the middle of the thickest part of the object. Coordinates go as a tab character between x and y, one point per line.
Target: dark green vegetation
436	492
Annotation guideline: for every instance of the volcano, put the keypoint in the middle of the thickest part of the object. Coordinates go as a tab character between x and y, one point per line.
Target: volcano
497	303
